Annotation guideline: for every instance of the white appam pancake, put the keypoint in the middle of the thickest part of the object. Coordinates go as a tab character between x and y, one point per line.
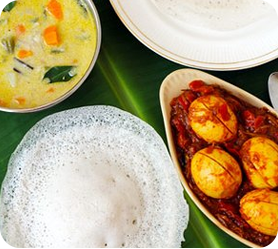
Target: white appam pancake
217	15
92	177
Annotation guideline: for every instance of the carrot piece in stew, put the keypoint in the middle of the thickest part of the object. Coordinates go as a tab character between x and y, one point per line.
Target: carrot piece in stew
3	103
20	29
20	100
50	90
50	35
55	8
24	53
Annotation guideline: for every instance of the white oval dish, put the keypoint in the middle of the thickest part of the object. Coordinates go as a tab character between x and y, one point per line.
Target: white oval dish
171	88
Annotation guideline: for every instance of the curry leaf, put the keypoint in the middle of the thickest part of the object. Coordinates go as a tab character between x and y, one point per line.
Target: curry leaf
7	5
60	74
8	43
82	5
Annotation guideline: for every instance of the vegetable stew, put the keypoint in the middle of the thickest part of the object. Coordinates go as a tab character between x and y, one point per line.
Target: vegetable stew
45	49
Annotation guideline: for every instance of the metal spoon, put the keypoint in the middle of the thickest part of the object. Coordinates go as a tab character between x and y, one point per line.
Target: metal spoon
273	89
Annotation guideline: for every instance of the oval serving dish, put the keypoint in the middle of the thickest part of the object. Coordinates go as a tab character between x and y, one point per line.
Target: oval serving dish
40	53
171	88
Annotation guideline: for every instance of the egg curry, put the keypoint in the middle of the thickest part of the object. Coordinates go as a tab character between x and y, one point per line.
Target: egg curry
46	47
216	172
212	119
228	152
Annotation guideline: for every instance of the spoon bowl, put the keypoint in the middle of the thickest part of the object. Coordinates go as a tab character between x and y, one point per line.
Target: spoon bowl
273	89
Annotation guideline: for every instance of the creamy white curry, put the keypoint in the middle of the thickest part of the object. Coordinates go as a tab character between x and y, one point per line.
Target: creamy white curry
46	47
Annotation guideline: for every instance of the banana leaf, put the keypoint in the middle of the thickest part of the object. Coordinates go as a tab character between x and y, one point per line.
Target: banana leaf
128	75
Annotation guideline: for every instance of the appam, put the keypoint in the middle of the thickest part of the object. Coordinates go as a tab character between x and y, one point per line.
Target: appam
92	177
224	15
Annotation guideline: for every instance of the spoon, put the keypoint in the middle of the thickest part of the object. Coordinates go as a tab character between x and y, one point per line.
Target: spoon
273	89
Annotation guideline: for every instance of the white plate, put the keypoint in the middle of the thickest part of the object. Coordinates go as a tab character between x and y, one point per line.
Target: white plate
207	45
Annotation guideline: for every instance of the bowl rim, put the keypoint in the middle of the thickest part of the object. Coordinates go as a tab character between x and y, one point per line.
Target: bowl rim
96	18
186	76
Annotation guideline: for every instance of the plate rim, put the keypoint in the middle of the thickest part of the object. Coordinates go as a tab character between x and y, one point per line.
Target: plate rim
211	66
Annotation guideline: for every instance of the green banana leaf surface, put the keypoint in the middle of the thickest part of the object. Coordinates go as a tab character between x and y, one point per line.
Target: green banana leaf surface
128	75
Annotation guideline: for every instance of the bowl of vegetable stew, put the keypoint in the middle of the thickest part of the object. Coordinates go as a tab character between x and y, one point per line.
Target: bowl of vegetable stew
47	50
224	144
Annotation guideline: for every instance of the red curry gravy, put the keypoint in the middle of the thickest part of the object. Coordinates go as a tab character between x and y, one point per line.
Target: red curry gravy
252	121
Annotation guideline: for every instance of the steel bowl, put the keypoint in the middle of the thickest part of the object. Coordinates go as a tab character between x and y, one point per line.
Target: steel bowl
94	12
